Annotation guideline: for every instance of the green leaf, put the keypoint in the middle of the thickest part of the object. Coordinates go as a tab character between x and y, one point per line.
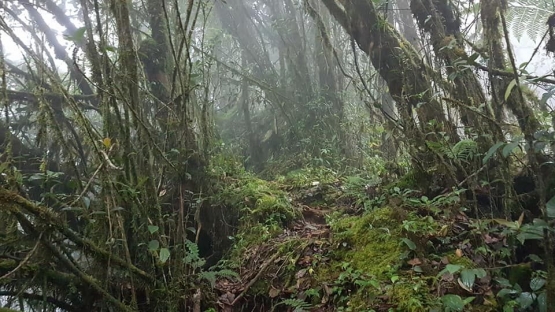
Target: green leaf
535	258
86	201
453	268
537	283
77	36
153	245
480	273
164	255
510	87
525	300
550	206
503	282
153	229
410	244
468	300
492	151
542	302
72	209
510	224
453	302
375	284
473	57
505	292
468	277
508	149
110	49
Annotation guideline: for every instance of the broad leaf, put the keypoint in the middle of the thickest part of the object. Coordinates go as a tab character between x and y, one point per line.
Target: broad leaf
153	229
86	201
510	87
153	245
492	151
542	302
468	277
453	268
409	243
453	302
164	255
537	283
550	206
525	300
509	148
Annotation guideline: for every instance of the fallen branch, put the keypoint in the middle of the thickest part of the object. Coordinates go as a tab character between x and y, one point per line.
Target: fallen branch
252	281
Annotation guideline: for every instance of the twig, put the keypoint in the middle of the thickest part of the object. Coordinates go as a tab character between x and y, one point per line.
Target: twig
24	260
252	281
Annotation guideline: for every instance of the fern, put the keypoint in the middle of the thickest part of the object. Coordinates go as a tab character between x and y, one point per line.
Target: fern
464	150
193	257
211	276
297	304
529	16
438	147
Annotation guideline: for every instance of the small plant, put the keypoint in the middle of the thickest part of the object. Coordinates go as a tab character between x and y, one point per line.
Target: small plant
362	192
513	296
349	281
298	305
455	302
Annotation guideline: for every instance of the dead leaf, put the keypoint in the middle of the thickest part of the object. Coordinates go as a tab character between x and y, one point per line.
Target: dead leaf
459	253
444	230
521	218
301	273
273	292
414	262
489	239
447	277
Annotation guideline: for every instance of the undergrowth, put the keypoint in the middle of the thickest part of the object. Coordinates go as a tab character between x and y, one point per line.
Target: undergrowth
383	248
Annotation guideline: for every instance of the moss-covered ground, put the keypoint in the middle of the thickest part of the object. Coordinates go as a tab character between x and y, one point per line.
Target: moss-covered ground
315	241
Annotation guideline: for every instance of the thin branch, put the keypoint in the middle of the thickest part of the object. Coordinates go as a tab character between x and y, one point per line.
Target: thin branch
60	304
49	218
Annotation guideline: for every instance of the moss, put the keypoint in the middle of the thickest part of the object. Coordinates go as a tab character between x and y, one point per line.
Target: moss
465	262
411	180
412	295
520	274
272	207
7	310
262	201
372	241
304	177
7	264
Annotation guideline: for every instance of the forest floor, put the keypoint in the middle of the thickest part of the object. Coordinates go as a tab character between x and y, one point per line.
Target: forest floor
321	243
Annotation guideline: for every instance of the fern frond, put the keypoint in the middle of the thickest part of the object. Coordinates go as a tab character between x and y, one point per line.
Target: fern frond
299	305
529	16
465	150
209	277
193	257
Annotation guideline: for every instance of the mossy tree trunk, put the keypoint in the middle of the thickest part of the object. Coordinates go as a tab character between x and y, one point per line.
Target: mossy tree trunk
408	78
136	189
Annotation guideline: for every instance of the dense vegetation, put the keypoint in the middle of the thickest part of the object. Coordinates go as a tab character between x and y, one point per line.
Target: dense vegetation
263	155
